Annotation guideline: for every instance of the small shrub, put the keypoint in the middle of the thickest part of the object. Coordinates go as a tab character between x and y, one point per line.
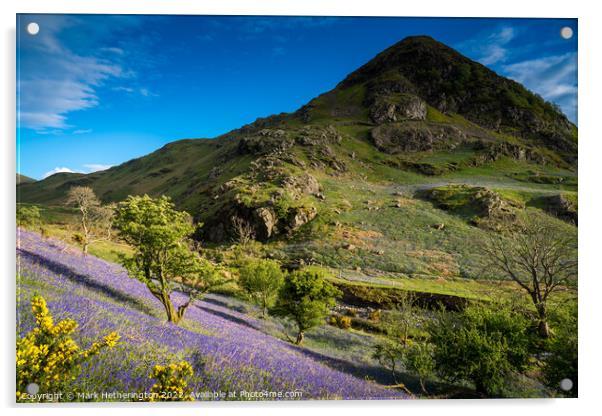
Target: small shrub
48	356
562	362
28	216
351	312
305	298
171	382
419	360
343	322
283	204
77	238
484	345
44	232
390	353
375	315
261	280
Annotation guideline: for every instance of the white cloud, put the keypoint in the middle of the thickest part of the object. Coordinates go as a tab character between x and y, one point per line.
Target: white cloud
89	168
55	81
95	167
552	77
124	89
82	131
117	51
57	170
145	92
490	49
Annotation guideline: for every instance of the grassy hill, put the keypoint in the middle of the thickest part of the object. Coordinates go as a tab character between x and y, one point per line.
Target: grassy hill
398	173
24	179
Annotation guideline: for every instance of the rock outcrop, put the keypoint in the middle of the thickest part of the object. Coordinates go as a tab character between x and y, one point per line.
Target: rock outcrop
387	109
561	207
415	137
482	207
271	201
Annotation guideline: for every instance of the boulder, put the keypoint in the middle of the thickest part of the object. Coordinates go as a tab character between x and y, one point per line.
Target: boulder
264	222
300	216
561	207
315	136
265	141
348	246
302	184
490	204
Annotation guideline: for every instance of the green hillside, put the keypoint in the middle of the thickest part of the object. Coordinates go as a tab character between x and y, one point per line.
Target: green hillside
24	179
362	180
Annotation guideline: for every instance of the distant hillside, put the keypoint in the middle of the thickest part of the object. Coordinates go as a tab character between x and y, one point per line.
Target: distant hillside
419	113
24	179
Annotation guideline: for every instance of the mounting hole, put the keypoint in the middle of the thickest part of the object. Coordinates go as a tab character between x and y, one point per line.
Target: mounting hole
566	384
33	28
566	32
32	388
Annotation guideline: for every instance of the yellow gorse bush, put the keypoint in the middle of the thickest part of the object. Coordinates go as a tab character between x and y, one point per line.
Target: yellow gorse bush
171	382
48	356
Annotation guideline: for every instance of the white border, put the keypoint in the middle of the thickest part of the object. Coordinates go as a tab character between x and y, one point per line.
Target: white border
590	152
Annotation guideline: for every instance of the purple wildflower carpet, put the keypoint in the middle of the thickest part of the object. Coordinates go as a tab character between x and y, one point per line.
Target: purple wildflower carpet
227	348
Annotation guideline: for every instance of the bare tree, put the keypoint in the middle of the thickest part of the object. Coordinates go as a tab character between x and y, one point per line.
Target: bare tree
96	220
540	257
242	230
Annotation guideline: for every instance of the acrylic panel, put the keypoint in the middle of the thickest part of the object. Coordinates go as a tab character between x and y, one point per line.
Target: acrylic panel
295	208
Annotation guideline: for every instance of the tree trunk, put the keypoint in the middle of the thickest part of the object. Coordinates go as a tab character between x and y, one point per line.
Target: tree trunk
85	248
543	327
300	337
393	373
182	310
423	386
172	315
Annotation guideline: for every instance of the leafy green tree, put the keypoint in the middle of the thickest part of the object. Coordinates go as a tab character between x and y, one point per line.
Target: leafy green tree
162	257
389	353
561	362
261	280
484	345
96	220
306	298
391	350
28	216
419	360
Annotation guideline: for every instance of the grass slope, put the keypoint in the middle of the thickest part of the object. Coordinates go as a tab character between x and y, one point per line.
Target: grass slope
372	226
24	179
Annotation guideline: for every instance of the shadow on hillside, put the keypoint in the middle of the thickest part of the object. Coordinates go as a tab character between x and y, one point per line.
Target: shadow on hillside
227	316
362	371
86	281
383	376
223	304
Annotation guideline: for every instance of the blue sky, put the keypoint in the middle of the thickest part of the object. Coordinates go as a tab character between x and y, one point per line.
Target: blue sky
95	91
